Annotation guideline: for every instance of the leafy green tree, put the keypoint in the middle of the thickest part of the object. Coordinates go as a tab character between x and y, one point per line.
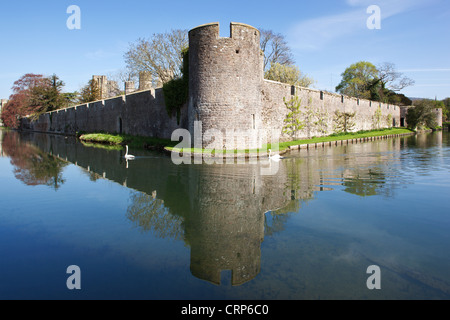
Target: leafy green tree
446	109
290	74
366	81
70	98
357	79
422	114
90	92
292	123
48	96
176	91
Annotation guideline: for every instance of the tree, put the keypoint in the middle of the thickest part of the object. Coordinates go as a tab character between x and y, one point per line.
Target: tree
377	118
70	98
47	96
32	166
275	48
160	55
446	109
290	74
365	81
14	110
422	114
292	122
344	121
90	92
19	104
356	80
392	79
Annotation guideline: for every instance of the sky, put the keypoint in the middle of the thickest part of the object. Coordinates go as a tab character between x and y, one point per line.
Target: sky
326	36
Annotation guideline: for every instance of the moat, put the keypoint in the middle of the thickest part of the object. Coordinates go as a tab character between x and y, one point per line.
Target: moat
149	229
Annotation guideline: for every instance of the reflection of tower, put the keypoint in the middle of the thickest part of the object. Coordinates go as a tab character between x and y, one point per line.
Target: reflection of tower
226	230
225	77
226	226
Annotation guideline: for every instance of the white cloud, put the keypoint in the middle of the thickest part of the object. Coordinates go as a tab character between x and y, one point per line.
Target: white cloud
315	34
426	70
99	54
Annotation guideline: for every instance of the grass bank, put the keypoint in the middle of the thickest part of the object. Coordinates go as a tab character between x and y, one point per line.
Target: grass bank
346	136
163	144
125	139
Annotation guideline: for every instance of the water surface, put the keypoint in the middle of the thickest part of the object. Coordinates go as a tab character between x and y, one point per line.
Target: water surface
149	229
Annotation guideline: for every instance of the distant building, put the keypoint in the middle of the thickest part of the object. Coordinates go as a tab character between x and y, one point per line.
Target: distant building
3	102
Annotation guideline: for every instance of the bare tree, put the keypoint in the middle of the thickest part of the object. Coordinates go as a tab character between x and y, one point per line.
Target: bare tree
122	75
160	55
275	48
391	78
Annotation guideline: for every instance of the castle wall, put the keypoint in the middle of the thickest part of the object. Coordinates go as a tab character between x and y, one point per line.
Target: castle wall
142	113
317	105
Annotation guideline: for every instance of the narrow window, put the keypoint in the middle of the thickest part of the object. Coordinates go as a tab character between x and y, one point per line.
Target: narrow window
254	121
342	99
321	95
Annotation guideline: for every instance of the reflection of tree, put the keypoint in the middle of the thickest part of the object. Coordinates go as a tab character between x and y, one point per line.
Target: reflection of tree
274	223
150	214
367	182
32	165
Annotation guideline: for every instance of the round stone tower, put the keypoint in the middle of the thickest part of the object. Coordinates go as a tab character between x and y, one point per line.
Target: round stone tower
225	78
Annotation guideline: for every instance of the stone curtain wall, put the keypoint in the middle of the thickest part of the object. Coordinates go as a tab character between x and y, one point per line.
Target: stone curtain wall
324	104
142	113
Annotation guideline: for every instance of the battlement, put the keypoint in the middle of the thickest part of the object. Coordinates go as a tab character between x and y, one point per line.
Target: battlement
237	30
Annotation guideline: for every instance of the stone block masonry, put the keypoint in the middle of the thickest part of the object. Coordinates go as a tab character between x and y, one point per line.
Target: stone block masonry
141	113
227	93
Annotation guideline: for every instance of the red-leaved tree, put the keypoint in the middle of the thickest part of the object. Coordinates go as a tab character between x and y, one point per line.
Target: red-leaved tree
19	104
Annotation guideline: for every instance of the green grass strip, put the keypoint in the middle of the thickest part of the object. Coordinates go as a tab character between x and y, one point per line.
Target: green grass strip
147	142
125	139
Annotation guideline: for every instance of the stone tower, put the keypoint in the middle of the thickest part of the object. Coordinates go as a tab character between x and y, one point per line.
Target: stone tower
3	102
225	79
102	84
129	87
145	80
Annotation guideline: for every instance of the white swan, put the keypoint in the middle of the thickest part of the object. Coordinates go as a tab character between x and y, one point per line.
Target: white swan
275	157
129	156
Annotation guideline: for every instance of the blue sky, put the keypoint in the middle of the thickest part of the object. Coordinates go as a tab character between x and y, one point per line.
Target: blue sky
325	36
